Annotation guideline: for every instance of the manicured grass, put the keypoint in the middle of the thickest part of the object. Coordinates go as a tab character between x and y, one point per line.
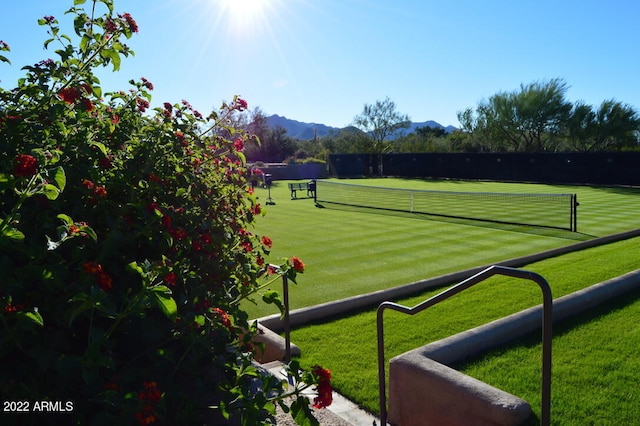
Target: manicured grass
595	367
347	346
349	251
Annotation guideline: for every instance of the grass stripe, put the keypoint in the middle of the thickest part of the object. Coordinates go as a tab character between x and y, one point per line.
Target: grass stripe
350	251
353	338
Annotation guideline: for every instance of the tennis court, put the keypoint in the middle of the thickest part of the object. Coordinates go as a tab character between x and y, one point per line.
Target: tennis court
350	250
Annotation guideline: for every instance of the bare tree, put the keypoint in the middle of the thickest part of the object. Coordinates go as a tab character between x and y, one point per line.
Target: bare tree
379	122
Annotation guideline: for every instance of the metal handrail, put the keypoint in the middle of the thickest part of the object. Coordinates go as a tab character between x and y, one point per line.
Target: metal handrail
547	320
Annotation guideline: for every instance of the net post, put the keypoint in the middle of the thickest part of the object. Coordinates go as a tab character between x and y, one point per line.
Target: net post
315	191
574	212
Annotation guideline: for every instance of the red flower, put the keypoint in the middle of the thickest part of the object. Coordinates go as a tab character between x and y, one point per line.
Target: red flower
91	267
12	309
26	165
266	241
166	222
297	264
69	94
223	317
88	184
143	104
170	278
238	145
148	398
240	104
178	234
104	280
324	389
155	178
105	162
87	104
100	191
110	26
133	25
147	83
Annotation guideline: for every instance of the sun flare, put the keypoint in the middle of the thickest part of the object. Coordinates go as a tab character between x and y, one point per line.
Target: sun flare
245	12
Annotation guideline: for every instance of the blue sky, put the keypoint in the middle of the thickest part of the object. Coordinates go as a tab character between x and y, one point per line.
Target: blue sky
322	60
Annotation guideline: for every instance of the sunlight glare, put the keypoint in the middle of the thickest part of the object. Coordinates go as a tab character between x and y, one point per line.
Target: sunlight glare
245	13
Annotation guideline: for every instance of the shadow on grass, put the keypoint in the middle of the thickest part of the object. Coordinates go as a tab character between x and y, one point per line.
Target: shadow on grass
509	227
560	329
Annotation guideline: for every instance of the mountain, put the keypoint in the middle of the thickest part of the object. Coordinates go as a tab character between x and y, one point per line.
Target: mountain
300	130
433	124
306	131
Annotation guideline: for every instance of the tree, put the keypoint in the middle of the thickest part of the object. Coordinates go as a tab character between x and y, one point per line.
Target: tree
379	122
528	120
612	126
424	139
126	248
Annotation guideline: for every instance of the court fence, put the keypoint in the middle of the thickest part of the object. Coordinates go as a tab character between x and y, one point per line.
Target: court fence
598	168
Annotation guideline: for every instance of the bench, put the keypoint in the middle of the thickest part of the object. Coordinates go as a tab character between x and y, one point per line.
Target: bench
310	187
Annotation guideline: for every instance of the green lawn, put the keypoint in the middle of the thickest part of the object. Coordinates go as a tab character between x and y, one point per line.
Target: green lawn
349	252
353	337
595	367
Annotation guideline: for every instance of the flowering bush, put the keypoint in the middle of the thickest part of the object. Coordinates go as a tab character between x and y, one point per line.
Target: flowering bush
125	248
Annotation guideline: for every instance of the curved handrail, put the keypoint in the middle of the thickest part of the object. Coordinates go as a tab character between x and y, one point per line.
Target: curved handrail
547	320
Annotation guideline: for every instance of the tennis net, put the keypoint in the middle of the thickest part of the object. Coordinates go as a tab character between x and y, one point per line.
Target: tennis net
544	210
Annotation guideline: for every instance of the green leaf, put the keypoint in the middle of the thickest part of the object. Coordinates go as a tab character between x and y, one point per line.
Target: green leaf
77	2
242	158
66	219
273	297
166	304
101	147
113	56
90	232
60	178
200	320
301	413
84	305
134	267
78	24
50	191
34	317
12	234
161	289
84	43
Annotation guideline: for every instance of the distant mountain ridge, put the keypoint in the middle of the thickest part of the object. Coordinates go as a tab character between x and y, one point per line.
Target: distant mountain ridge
306	131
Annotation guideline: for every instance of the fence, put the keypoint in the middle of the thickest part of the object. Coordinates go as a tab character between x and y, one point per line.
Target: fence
614	168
